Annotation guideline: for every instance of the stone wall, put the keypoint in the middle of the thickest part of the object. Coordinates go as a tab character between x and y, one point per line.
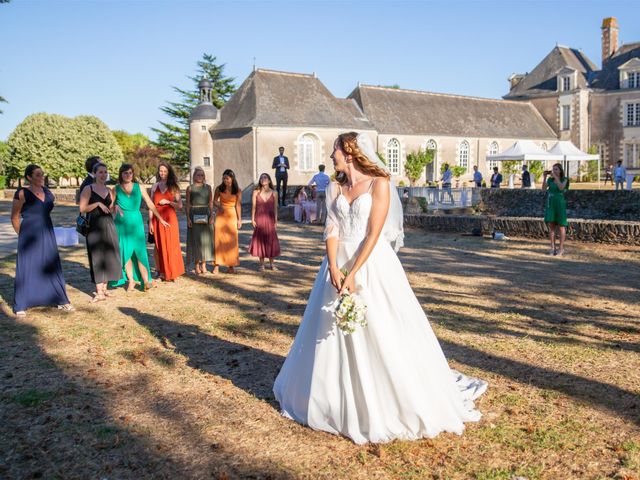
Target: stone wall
600	231
585	204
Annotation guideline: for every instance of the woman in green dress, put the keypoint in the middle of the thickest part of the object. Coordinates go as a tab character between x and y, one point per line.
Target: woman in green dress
199	222
130	228
556	210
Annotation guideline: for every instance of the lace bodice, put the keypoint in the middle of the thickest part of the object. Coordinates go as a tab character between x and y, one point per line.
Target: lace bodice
348	222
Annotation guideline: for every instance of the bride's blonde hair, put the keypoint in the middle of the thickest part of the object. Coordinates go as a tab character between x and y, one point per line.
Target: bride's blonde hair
348	143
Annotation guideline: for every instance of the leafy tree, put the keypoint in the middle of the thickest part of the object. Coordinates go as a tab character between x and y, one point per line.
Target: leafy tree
130	142
416	163
60	145
173	137
536	168
145	161
458	171
511	166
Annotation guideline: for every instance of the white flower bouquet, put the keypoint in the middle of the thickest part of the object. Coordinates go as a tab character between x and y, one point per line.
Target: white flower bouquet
349	312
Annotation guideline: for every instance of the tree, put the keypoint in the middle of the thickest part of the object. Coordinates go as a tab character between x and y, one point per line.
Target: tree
129	142
536	168
145	161
60	145
511	166
415	164
173	138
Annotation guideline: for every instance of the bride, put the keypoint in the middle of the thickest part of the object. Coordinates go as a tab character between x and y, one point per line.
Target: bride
388	380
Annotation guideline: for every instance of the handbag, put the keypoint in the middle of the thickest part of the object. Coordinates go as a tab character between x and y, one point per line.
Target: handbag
82	225
151	239
200	219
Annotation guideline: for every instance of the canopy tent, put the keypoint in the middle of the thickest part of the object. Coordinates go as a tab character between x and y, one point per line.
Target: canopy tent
571	153
524	151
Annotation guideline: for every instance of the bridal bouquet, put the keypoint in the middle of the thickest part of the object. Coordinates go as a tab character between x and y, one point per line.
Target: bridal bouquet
349	312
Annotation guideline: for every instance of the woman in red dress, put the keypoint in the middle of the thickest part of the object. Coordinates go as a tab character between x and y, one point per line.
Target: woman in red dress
264	217
166	197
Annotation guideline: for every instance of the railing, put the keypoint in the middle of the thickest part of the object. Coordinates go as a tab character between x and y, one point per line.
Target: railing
444	198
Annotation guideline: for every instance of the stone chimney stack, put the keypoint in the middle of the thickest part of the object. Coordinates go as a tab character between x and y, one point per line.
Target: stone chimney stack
609	38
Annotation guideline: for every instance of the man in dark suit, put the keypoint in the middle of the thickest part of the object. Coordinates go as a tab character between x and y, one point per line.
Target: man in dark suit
89	163
281	165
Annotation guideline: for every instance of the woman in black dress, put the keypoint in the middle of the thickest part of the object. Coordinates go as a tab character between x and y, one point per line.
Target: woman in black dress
102	240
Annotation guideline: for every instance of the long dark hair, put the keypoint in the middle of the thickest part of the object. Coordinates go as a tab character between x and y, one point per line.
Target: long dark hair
559	165
259	185
123	168
234	183
172	178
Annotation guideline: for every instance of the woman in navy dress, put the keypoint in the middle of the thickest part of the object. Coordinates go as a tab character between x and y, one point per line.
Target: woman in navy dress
39	280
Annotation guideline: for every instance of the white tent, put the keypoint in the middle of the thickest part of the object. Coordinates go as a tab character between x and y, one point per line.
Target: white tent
571	153
524	151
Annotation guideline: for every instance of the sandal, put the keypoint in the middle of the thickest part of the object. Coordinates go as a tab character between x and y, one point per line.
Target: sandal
98	298
560	252
149	285
274	268
261	268
231	270
67	308
216	270
131	286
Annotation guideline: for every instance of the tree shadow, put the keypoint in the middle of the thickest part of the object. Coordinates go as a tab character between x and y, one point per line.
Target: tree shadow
251	369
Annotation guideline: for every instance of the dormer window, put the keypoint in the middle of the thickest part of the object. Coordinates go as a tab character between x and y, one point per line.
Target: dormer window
566	84
630	74
633	80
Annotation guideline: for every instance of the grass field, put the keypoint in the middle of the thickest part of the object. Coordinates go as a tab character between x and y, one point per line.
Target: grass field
176	382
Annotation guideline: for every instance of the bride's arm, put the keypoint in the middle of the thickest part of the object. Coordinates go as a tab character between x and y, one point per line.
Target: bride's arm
331	233
379	210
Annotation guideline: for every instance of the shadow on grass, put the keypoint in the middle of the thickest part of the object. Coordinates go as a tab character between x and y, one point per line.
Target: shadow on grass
250	369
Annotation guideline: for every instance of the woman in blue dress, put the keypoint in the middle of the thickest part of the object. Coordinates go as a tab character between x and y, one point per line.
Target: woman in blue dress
39	280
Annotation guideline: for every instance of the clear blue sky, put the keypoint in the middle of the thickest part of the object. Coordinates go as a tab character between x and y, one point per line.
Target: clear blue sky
118	59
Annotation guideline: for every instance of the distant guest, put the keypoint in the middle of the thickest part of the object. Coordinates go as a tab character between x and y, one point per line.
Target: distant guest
264	218
477	177
227	198
619	173
608	174
321	180
526	177
281	166
496	178
447	175
556	210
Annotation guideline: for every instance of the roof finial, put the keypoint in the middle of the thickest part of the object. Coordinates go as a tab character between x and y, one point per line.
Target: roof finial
254	64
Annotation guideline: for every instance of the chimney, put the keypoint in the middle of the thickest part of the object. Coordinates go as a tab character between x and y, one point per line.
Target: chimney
515	79
609	38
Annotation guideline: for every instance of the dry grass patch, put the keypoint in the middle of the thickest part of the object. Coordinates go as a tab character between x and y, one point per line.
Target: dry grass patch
176	382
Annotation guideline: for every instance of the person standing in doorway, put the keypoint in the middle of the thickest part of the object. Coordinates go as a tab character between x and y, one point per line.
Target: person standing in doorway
496	178
321	180
281	165
526	177
619	173
477	177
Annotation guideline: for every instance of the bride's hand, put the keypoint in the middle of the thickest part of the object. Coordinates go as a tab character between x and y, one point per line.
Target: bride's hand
337	277
348	285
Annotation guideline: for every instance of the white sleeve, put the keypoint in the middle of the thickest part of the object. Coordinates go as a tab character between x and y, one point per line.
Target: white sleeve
331	226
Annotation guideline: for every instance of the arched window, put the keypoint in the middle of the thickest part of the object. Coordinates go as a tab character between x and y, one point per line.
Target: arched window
494	149
393	156
544	146
432	145
307	153
463	155
431	169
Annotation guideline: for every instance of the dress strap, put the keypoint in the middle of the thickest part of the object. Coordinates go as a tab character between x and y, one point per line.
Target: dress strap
371	185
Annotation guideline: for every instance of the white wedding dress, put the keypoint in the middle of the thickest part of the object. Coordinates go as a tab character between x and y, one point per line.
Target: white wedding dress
389	380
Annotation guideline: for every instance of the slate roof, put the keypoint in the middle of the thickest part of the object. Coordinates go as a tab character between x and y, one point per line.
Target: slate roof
271	98
397	111
542	80
204	111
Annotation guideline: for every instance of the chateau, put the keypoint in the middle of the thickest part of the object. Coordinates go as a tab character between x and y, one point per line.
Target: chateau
565	97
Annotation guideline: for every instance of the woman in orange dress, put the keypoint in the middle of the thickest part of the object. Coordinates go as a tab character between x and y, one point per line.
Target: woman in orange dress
227	198
166	197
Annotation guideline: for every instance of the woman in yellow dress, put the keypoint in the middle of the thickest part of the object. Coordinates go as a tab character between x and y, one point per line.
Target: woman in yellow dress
227	199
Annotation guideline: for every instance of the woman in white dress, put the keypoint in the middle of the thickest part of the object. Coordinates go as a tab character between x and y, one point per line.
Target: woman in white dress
388	380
